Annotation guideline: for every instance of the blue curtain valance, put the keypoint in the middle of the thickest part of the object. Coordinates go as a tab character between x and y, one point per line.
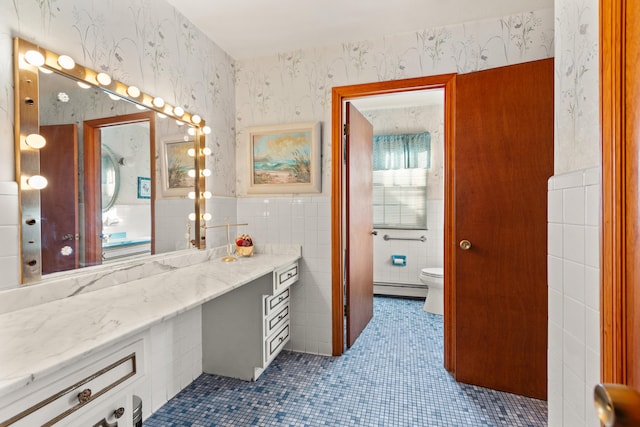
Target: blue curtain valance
402	151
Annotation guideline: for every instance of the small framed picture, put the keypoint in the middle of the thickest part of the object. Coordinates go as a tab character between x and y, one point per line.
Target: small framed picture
144	188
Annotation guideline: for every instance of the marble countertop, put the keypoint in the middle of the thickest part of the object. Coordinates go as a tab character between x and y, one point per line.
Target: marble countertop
39	340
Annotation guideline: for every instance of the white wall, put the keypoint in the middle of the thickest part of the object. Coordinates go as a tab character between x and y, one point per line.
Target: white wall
574	297
296	87
574	219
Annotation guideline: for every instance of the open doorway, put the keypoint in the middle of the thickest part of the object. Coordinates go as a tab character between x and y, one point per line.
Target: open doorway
340	95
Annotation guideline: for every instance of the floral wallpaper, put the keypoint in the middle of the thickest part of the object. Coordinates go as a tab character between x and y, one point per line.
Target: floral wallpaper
296	86
577	142
145	43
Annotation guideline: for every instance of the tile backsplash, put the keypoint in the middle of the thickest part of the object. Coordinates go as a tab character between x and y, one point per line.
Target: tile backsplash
574	297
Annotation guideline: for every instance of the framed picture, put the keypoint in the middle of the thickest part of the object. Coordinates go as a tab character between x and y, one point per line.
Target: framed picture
285	159
144	188
175	166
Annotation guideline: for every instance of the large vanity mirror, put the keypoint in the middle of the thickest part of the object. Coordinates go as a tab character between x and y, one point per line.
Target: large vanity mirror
86	165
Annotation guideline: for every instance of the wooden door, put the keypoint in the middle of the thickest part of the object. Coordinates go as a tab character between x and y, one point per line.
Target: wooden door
359	219
503	159
59	200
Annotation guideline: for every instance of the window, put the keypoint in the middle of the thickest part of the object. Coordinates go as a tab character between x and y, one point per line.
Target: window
400	165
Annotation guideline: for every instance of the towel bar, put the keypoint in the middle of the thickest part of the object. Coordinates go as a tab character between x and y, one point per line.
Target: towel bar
387	237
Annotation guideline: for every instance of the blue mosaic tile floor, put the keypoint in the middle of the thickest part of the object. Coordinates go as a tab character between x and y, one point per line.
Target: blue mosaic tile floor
391	377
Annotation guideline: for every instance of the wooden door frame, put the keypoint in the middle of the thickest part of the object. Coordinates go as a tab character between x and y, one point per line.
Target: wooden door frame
620	129
92	175
344	93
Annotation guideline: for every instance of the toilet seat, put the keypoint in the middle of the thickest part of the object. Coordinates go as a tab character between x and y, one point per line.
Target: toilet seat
436	272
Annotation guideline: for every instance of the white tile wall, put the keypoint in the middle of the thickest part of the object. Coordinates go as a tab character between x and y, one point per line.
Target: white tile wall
9	235
306	221
419	254
574	286
174	359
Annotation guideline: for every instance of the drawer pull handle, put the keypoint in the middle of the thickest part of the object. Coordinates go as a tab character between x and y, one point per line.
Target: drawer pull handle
84	396
280	298
281	317
281	339
289	275
118	412
105	423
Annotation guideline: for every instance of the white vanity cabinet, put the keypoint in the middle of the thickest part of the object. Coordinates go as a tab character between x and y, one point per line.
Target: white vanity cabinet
99	392
245	329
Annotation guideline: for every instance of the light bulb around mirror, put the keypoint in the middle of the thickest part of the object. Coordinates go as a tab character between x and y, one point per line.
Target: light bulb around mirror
162	116
45	70
206	172
206	130
206	151
114	97
141	107
133	91
83	85
192	173
192	195
37	182
196	119
191	152
206	216
34	58
207	194
191	131
179	123
178	111
192	217
66	62
104	79
36	141
158	102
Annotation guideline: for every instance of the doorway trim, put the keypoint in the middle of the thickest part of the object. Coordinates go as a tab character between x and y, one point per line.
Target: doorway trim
344	93
620	129
92	177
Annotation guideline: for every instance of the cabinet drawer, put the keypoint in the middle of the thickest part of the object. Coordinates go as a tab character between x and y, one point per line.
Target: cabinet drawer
285	277
278	318
274	344
56	401
276	301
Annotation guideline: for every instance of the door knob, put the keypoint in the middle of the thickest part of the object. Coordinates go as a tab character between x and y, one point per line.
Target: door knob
374	233
465	245
617	405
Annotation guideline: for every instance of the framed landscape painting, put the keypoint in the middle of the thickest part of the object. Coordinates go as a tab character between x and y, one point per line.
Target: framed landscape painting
176	163
285	159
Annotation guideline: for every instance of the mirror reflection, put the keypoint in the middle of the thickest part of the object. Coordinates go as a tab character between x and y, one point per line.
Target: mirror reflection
100	160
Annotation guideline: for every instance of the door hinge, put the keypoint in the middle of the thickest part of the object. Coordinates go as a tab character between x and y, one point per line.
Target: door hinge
345	129
345	133
346	310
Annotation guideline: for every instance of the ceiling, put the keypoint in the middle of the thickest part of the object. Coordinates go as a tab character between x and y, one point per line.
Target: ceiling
255	28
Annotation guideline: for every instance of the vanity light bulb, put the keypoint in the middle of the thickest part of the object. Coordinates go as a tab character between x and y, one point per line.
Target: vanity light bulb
36	141
196	119
191	131
207	194
178	122
206	151
206	172
192	195
45	70
114	97
158	102
34	58
66	62
133	91
84	85
178	111
192	217
162	116
206	216
37	182
141	107
191	152
104	79
192	173
206	130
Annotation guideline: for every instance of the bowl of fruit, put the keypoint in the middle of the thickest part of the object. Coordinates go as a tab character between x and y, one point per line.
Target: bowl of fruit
244	245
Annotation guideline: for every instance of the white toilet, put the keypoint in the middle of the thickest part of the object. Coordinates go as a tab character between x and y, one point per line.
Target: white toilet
433	278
